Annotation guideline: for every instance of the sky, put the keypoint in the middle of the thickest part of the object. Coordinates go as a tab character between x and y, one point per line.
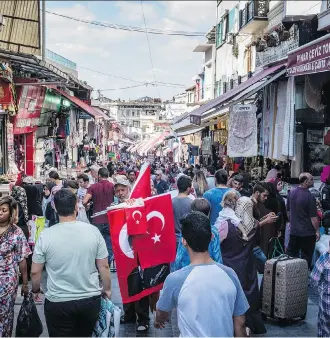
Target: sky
125	54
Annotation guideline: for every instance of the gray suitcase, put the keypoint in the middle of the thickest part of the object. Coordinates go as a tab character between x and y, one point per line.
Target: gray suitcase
285	288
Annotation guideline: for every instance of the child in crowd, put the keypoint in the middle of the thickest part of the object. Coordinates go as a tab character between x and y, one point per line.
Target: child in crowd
182	257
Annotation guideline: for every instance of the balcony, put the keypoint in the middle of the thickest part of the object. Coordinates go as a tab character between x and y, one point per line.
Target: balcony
253	17
324	16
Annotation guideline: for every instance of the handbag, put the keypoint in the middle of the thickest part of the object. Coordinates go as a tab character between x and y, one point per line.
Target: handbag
277	248
108	323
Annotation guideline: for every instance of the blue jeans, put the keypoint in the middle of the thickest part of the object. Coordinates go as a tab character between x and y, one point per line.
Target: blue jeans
260	259
104	230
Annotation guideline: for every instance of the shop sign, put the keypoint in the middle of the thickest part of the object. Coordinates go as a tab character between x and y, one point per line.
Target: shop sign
195	119
112	155
310	60
84	116
52	102
29	109
23	123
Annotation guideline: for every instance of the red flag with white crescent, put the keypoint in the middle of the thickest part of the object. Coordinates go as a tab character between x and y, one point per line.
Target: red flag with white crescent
136	220
142	186
134	282
158	244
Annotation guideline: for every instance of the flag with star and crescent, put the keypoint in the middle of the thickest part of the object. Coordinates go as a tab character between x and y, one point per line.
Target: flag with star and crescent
143	255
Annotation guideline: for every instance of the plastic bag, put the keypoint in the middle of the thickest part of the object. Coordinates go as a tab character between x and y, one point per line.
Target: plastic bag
82	216
108	323
40	226
32	230
28	321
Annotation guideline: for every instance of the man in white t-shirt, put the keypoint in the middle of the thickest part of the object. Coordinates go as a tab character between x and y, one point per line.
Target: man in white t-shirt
208	296
74	254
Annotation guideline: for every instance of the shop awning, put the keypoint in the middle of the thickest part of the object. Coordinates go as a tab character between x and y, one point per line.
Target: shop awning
233	92
244	95
82	105
154	142
314	57
188	132
126	140
104	115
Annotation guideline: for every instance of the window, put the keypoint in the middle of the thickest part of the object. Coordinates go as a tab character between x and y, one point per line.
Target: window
224	87
231	20
222	31
136	124
133	113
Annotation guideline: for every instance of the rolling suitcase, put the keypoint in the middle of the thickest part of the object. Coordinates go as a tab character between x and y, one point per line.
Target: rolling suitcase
285	288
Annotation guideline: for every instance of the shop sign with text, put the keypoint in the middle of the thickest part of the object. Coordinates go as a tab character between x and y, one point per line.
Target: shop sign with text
29	109
312	59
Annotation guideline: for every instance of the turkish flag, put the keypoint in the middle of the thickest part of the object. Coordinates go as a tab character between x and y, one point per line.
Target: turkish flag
158	245
142	186
134	282
136	220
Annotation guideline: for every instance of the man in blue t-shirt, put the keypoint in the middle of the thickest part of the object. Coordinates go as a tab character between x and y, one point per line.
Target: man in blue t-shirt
215	195
201	286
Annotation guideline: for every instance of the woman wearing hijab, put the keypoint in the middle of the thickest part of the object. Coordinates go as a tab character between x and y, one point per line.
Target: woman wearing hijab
51	214
269	231
238	255
47	196
282	212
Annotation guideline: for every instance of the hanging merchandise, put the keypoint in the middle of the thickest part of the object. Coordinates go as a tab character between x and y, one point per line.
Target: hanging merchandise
288	144
313	91
207	146
242	138
279	122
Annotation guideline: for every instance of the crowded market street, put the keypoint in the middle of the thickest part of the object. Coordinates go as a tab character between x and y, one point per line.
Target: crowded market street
299	329
165	168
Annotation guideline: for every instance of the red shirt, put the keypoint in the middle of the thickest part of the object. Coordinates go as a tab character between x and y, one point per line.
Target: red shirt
102	196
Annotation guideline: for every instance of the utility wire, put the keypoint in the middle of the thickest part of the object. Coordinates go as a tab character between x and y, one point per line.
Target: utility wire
151	61
130	28
132	80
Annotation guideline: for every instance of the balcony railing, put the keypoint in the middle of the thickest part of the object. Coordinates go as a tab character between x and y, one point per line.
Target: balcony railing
257	9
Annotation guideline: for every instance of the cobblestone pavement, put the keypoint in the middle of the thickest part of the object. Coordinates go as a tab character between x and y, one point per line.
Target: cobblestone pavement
307	328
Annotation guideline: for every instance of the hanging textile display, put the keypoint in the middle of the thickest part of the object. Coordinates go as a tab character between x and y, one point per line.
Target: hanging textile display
279	121
242	136
288	144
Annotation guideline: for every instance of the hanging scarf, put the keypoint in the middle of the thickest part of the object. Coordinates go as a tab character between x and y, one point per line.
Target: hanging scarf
19	194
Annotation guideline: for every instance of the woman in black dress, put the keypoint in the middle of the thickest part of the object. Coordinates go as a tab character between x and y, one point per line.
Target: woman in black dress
238	255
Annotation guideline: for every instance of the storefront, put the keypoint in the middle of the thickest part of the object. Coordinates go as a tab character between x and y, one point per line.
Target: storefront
308	68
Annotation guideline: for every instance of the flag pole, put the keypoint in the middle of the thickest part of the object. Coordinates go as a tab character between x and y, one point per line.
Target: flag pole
139	202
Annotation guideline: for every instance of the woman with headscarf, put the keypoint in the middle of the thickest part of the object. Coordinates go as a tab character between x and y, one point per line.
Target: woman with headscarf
47	196
51	214
238	255
269	231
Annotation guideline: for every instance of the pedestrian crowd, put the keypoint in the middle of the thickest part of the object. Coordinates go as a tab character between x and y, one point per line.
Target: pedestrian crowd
225	231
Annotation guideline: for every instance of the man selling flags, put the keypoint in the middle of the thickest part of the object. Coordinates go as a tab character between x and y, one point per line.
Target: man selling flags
143	240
